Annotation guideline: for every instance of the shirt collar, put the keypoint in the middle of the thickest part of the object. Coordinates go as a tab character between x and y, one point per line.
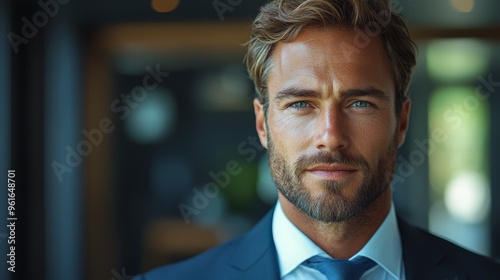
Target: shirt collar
284	234
384	247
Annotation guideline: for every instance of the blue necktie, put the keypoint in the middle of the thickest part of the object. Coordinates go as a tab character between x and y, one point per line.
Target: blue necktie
335	269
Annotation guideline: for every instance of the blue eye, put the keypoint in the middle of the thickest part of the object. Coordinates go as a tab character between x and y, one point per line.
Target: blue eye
361	104
300	105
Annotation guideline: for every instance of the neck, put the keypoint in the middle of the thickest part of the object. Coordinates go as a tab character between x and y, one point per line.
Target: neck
344	239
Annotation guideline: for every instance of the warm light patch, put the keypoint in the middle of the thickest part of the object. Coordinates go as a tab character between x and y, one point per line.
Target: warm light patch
463	6
164	6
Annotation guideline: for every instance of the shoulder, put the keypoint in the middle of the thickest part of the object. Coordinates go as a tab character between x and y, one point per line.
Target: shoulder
206	265
456	251
422	247
252	252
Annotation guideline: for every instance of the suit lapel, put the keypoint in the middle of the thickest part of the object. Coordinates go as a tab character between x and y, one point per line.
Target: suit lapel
422	257
255	256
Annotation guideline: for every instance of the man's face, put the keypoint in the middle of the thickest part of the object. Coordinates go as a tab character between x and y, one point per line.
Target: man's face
331	128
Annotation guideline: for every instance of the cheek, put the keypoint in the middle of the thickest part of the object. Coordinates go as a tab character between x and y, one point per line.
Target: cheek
373	138
290	135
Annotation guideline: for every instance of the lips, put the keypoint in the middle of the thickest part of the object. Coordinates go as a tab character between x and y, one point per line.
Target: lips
332	171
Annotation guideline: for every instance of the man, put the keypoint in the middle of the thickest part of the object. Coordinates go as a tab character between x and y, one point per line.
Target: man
332	109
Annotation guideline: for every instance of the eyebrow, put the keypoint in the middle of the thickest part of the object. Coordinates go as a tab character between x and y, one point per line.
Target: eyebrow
294	92
371	92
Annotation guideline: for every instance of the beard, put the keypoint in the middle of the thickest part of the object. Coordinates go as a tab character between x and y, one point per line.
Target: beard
332	206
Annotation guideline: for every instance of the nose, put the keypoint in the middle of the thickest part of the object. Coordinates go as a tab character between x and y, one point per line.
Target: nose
332	130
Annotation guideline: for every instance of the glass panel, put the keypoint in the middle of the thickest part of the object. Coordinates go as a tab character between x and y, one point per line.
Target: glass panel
457	59
458	153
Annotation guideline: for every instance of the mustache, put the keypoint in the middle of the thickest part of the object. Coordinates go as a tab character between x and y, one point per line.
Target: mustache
340	157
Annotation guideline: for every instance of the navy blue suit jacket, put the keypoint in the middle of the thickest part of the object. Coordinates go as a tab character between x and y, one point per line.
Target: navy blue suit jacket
253	257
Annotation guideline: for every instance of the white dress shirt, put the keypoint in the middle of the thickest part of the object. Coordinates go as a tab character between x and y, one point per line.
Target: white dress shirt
294	247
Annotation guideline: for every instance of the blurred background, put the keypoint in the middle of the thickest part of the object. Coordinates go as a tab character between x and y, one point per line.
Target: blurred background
131	131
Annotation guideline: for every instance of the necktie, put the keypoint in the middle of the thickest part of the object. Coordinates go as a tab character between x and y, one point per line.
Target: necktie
335	269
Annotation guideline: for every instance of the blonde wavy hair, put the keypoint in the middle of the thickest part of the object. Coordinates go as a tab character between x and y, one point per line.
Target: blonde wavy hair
283	20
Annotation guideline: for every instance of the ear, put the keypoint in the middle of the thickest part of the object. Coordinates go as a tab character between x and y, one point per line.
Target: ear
260	122
404	119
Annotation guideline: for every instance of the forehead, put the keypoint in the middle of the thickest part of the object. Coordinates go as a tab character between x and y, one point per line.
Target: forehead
334	56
